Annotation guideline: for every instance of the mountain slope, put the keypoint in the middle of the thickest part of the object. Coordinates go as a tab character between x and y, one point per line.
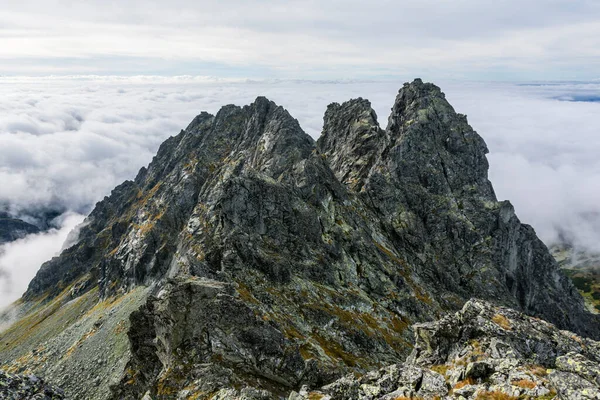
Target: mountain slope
13	228
426	176
246	254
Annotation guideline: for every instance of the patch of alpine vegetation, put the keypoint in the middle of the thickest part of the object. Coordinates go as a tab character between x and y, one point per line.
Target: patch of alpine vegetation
482	352
248	256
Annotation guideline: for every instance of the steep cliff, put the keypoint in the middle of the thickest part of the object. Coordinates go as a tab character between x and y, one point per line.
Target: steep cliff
246	254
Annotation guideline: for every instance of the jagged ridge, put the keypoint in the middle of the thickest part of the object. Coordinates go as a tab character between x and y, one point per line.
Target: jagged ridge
12	228
330	249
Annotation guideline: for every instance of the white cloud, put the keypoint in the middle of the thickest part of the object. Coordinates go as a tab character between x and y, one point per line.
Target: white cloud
21	259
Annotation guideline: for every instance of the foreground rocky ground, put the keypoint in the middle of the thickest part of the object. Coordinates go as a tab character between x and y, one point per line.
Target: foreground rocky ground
481	352
19	387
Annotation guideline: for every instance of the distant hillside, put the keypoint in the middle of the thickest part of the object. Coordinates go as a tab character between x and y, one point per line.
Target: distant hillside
13	229
583	267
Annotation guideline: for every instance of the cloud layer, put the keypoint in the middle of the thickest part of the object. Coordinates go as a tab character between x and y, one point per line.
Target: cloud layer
472	39
66	142
21	259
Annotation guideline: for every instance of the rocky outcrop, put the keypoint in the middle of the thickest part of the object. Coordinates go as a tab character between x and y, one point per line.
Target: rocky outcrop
17	387
12	228
481	352
201	334
243	228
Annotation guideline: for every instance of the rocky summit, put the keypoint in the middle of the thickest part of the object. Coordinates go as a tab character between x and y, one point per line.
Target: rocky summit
249	260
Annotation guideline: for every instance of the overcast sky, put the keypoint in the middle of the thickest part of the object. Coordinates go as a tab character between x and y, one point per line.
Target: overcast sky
459	39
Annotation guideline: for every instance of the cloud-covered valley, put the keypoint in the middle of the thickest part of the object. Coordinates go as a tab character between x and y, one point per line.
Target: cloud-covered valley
20	260
66	142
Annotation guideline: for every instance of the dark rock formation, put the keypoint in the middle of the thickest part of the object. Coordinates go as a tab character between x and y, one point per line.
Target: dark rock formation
481	352
272	261
13	228
18	387
199	331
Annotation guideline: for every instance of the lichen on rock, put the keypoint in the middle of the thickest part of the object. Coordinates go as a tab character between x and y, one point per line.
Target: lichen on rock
467	355
27	387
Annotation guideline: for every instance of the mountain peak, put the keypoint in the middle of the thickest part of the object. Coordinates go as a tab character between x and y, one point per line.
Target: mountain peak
415	101
426	143
351	140
246	254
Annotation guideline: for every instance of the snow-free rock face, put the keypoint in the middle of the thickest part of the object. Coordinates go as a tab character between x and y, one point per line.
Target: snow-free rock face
481	352
246	254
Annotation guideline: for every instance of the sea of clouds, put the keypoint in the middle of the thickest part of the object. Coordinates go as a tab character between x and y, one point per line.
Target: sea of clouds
65	142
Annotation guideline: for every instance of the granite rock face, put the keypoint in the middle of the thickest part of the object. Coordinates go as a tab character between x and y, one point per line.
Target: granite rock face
268	261
481	352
